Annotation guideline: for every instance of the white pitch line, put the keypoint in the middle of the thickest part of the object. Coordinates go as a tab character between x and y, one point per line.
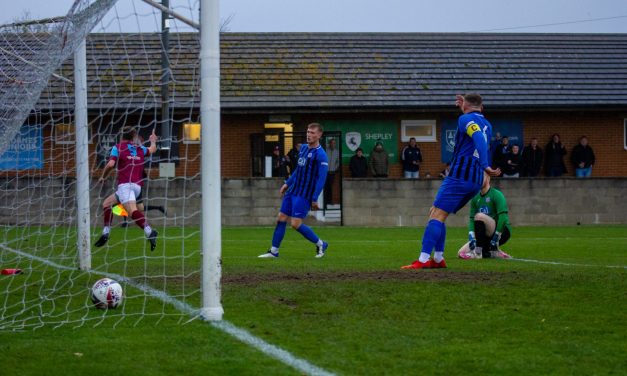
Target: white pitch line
566	264
243	335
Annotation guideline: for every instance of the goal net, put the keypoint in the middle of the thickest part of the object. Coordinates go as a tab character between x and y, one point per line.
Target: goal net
137	76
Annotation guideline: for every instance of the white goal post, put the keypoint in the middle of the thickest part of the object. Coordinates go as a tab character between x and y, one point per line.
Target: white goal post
211	222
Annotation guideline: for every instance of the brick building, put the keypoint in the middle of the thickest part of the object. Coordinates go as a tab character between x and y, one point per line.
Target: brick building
382	85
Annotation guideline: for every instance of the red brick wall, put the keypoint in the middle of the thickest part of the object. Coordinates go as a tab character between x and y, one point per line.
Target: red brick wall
604	131
235	134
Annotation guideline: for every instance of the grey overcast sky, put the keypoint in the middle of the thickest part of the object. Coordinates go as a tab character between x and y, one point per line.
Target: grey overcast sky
530	16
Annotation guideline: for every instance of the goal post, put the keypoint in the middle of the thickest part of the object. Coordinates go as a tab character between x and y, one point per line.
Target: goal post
83	221
211	222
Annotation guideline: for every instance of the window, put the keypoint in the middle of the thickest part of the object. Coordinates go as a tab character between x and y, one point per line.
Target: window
191	133
64	134
422	130
625	135
273	135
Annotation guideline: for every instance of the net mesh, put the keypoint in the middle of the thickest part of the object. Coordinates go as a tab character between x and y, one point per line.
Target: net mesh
38	163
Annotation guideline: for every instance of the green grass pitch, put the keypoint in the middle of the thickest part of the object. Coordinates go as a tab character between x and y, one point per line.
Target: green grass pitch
352	312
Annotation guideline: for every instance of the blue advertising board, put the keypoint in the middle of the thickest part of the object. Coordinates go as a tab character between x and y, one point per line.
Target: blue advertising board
511	128
25	152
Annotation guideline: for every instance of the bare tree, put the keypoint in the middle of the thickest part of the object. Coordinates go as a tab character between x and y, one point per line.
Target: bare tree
224	24
25	24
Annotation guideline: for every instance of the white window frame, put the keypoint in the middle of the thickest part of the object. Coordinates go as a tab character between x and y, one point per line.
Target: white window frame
625	134
413	123
191	142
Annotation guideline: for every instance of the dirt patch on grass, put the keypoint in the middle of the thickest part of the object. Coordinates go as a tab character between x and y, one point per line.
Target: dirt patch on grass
387	275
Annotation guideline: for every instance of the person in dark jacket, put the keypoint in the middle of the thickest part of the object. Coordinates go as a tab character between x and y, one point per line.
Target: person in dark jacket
280	163
554	157
512	164
531	159
292	156
379	162
583	158
411	158
499	158
359	164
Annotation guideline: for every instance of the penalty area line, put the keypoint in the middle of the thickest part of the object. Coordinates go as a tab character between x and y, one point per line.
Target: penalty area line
240	334
566	263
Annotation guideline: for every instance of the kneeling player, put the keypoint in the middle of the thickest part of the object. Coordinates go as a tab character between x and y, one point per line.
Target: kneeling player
489	226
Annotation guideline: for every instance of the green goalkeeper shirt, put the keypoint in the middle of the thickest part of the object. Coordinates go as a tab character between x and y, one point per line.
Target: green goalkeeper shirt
493	204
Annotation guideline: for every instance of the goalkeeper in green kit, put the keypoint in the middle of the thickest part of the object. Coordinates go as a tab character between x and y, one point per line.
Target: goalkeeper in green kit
489	225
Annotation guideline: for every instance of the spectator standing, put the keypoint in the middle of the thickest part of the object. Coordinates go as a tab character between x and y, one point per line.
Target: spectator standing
583	158
499	158
512	166
411	158
292	156
279	163
554	157
531	159
495	142
334	163
379	164
359	164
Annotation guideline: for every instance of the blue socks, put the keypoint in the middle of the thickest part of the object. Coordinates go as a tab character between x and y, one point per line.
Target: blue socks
308	233
439	245
434	236
279	233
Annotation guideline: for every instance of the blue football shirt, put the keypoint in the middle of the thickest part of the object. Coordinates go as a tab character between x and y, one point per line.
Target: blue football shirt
308	179
471	154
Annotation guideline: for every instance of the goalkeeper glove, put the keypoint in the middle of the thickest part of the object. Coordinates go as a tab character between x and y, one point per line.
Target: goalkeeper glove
494	243
472	242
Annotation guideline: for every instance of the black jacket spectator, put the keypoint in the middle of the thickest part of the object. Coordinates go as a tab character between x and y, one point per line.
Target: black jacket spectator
293	157
411	157
280	164
512	163
583	154
499	158
554	157
359	165
531	159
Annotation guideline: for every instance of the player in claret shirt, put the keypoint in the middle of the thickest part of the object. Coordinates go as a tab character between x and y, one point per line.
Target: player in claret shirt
129	158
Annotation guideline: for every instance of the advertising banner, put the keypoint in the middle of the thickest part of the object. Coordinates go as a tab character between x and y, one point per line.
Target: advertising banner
511	128
365	134
25	152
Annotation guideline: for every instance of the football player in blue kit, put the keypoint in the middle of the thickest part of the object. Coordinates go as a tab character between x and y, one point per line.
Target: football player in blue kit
300	193
470	161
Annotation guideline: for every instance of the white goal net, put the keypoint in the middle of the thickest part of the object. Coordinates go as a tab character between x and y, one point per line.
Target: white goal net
137	76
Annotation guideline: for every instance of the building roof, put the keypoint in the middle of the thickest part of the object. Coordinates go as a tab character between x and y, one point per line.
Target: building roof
360	71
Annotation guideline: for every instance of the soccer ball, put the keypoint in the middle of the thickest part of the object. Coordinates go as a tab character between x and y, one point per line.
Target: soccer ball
106	293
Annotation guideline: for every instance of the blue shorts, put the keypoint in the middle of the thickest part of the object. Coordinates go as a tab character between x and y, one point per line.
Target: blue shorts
454	194
295	206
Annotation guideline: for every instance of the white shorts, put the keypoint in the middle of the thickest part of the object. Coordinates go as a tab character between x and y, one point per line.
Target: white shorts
128	192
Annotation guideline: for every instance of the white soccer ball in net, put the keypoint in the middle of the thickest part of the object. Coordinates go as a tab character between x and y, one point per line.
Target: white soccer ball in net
106	293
